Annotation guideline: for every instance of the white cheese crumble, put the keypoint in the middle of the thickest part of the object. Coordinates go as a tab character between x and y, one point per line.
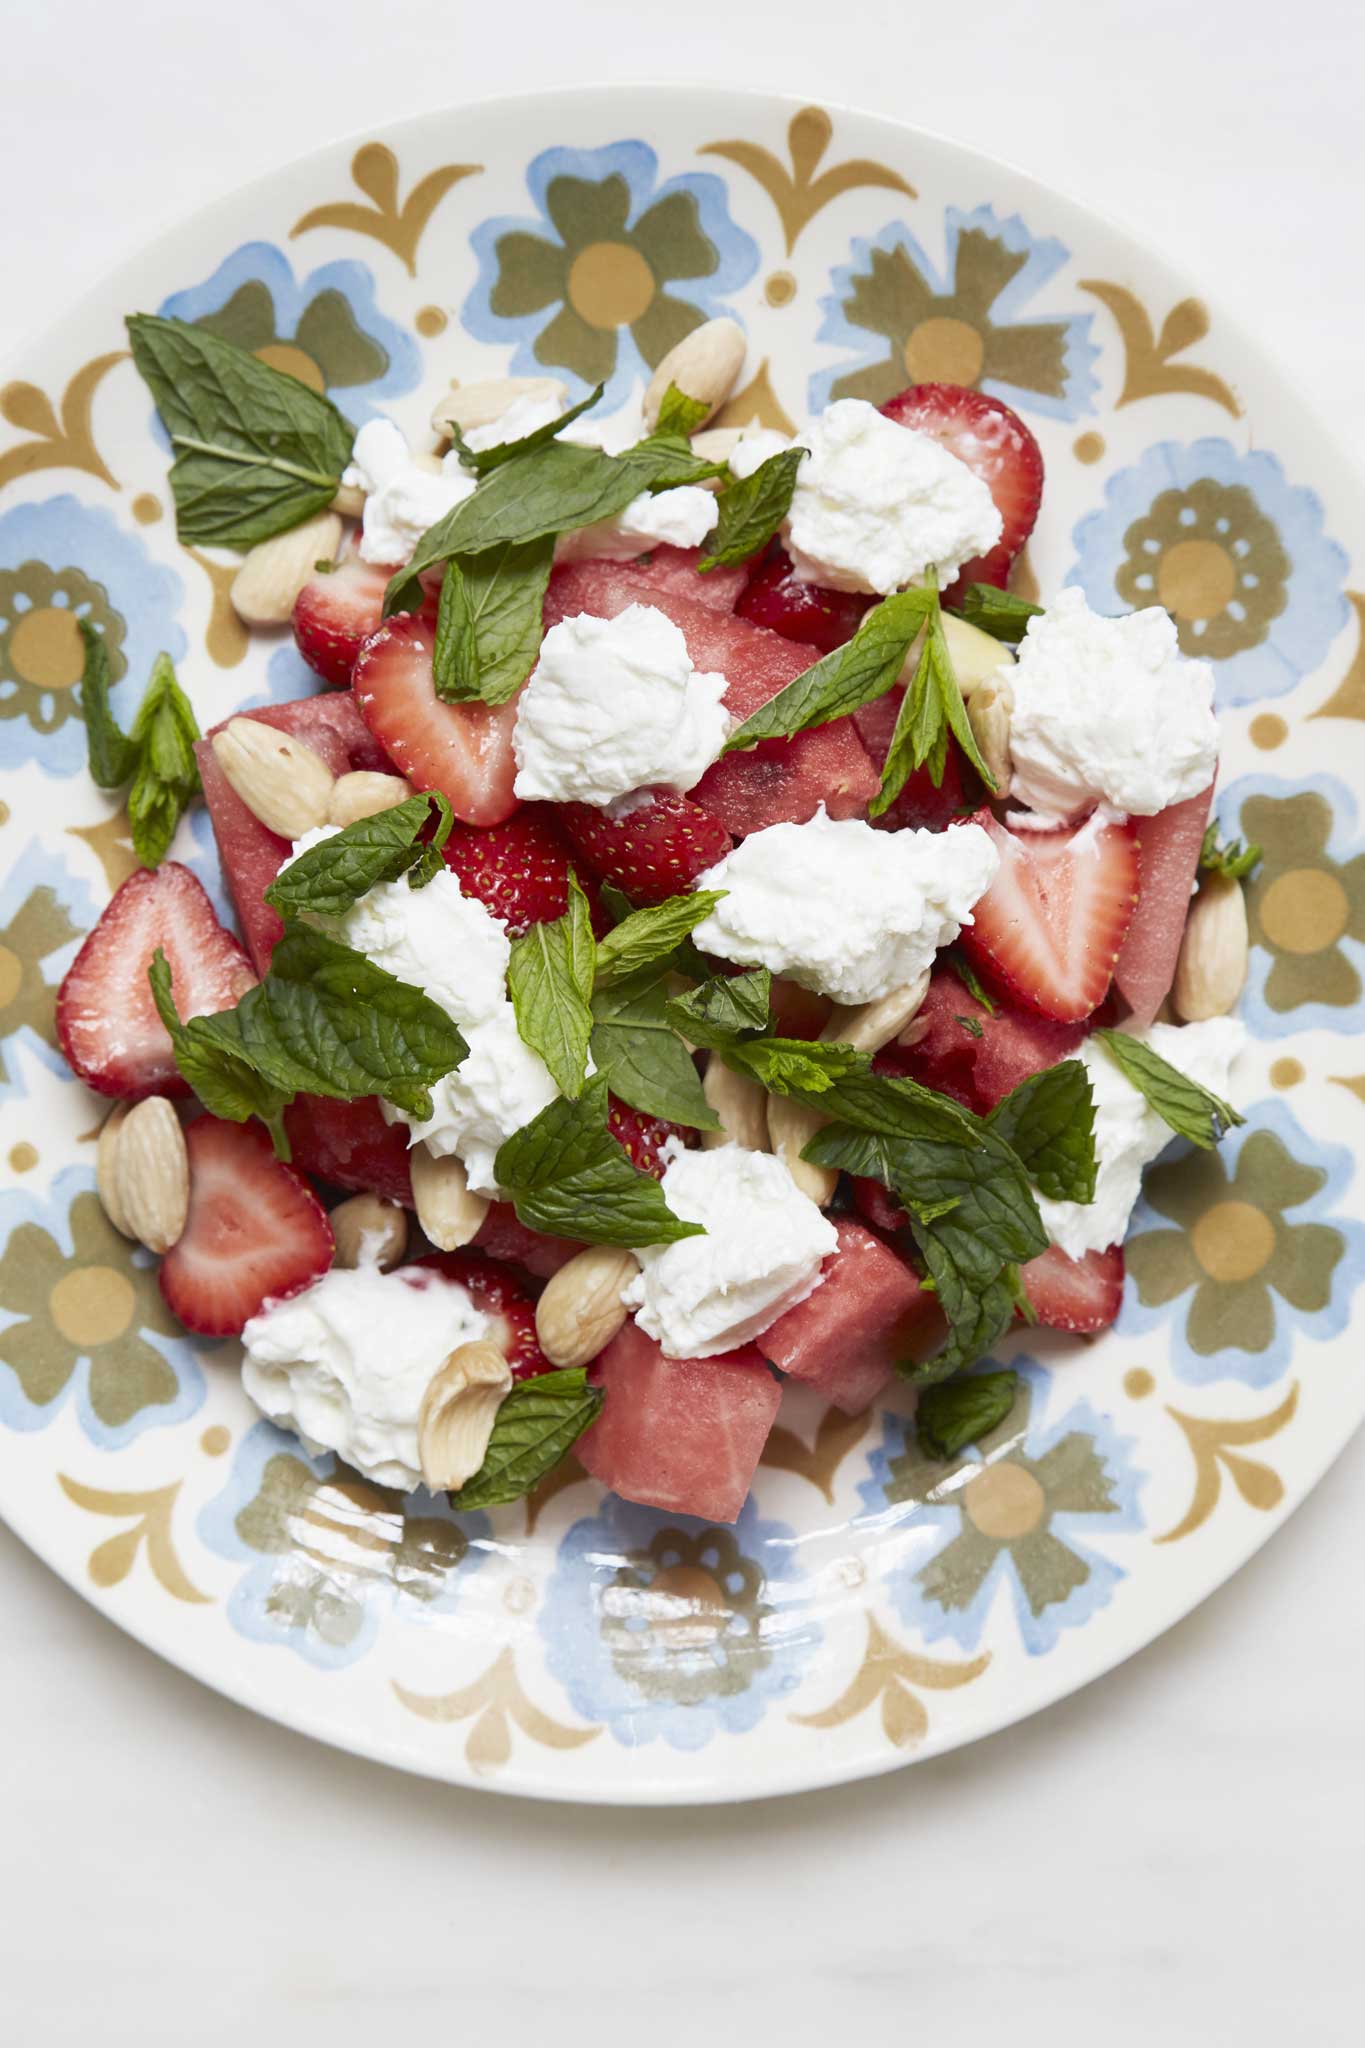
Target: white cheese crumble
499	1087
1129	1135
846	911
345	1364
755	446
403	497
680	518
525	415
1108	711
614	705
762	1252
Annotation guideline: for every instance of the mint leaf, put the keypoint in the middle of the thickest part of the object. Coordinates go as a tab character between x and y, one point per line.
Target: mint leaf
1191	1111
679	414
549	979
962	1411
645	938
637	1049
805	1067
333	875
567	1175
1234	860
489	623
157	756
481	460
537	1423
967	975
750	509
257	452
112	756
931	709
996	612
210	1054
1048	1121
725	1008
866	667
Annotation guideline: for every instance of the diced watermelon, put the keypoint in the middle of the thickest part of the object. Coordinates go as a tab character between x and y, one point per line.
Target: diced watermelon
349	1144
682	1434
503	1235
1168	859
675	569
251	856
869	1312
778	781
973	1055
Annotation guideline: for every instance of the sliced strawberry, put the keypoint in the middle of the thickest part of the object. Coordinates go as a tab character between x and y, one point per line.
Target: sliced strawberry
519	869
995	443
819	618
1082	1295
504	1300
503	1235
1051	924
644	1137
350	1145
336	612
652	851
462	750
107	1023
256	1232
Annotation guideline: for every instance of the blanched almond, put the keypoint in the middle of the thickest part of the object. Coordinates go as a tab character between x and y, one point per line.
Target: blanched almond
740	1102
988	713
369	1231
152	1173
458	1411
481	403
703	365
446	1209
275	571
1212	967
976	656
363	793
279	779
716	444
106	1162
581	1309
870	1026
349	501
791	1125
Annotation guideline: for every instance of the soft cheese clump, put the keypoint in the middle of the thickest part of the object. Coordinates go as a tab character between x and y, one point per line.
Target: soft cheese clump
615	705
762	1252
496	1089
1108	711
402	496
846	911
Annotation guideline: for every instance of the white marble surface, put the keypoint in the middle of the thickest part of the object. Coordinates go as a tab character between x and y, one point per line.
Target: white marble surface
1172	1855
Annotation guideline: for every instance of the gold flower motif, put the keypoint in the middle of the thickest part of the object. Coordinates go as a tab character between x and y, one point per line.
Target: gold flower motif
1301	903
894	1677
41	653
1207	553
496	1702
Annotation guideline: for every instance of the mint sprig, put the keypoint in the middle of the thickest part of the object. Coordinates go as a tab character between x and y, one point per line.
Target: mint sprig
804	1067
536	1425
648	937
750	509
568	1176
212	1057
156	758
725	1009
637	1050
1191	1111
489	623
1234	860
865	668
1048	1121
931	709
960	1412
332	876
997	612
679	415
549	979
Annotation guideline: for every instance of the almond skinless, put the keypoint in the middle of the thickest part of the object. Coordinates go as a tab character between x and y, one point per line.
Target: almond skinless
279	779
275	571
481	403
988	713
716	444
458	1411
368	1230
581	1309
870	1026
152	1173
349	501
106	1161
363	793
1212	966
446	1210
792	1125
703	365
740	1102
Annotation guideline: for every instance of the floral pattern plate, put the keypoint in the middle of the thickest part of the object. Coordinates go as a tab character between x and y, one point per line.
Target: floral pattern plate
867	1608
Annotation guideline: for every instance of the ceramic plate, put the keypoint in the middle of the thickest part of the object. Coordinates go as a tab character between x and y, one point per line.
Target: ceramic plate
867	1608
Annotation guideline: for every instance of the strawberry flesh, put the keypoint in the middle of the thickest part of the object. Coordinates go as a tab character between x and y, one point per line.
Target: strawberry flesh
462	750
256	1232
644	1137
652	851
806	612
519	870
350	1145
504	1236
505	1300
336	612
993	442
1080	1295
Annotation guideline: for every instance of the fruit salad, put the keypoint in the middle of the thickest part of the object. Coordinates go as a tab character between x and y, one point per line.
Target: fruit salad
703	930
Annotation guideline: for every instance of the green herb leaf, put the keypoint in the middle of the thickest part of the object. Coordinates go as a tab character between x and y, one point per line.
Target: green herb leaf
489	623
481	460
568	1176
157	756
1234	860
257	452
751	508
725	1008
537	1423
1191	1111
962	1411
111	754
853	675
635	1045
1049	1122
210	1055
967	975
931	708
679	414
333	875
996	612
549	978
805	1067
646	938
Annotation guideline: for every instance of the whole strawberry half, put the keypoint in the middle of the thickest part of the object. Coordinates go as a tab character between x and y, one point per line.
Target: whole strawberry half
644	1137
506	1302
335	614
994	442
462	750
519	869
652	851
1081	1295
256	1232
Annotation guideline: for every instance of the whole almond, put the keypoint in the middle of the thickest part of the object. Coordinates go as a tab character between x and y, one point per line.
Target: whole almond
703	365
791	1125
152	1173
716	444
458	1411
740	1102
988	713
581	1309
106	1169
977	657
870	1026
279	779
1212	967
363	793
368	1231
275	571
481	403
446	1209
349	501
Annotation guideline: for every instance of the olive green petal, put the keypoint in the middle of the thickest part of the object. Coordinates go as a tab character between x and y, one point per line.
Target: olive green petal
1183	1189
1031	356
669	235
953	1578
1073	1477
1351	875
891	299
342	351
569	343
1291	830
1269	1177
1297	978
46	710
1238	1317
662	325
128	1376
531	275
427	1552
286	1488
248	318
984	268
587	210
1161	1266
40	1357
1048	1572
1306	1256
875	382
32	1262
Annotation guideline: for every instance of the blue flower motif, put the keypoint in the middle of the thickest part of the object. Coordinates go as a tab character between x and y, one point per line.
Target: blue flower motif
81	1316
1234	551
1016	1511
613	270
45	912
61	561
1240	1249
961	325
326	329
659	1625
326	1553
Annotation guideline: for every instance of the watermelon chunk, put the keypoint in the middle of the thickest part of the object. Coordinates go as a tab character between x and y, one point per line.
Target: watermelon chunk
869	1312
349	1144
779	781
976	1057
683	1434
675	570
1168	860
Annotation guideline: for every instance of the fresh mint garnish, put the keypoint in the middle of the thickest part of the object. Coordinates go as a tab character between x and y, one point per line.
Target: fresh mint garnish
647	938
481	460
1048	1121
1191	1111
931	709
332	876
549	979
724	1009
256	452
996	612
489	623
967	975
866	667
750	509
156	758
962	1411
637	1049
805	1067
567	1175
211	1056
537	1423
679	415
1234	860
